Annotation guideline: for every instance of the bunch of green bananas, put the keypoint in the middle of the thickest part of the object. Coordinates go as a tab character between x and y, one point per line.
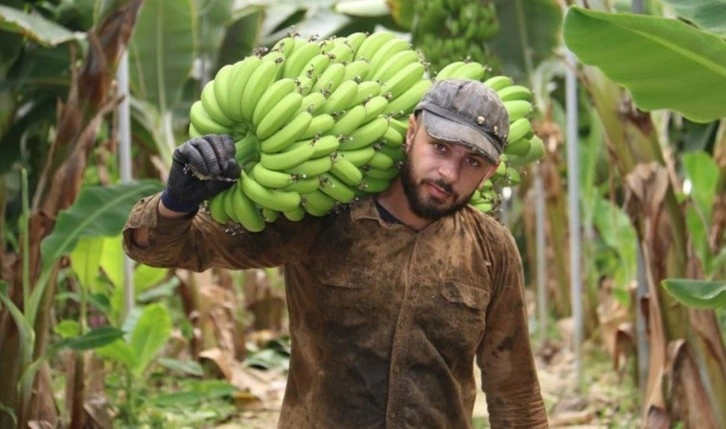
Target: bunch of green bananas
316	123
319	123
450	30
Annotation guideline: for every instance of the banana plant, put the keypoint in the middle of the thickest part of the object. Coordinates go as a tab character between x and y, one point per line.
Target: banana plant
676	66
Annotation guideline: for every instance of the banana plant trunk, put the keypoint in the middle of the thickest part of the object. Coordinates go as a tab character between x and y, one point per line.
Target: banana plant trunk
80	116
687	368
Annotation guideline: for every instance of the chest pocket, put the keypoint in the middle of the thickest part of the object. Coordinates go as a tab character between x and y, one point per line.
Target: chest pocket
348	296
460	315
468	296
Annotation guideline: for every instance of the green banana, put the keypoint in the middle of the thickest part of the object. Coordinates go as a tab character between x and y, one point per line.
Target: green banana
315	67
287	107
318	125
449	70
498	82
239	79
517	109
517	147
376	173
406	102
341	98
391	137
472	70
268	198
311	167
367	90
245	211
193	132
258	83
202	122
287	134
357	70
346	171
349	121
271	178
300	56
303	185
330	79
222	85
295	215
354	40
366	134
335	188
358	157
216	209
403	79
381	161
312	102
373	186
383	55
372	44
515	92
341	52
395	63
271	97
319	200
375	106
269	215
288	159
519	129
325	145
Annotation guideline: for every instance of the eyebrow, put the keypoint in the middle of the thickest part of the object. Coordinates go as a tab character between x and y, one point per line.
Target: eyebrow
471	152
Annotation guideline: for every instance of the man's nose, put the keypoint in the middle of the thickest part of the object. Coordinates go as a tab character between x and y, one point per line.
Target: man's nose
449	170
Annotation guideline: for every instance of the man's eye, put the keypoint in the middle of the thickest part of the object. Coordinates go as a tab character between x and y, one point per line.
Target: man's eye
439	147
473	162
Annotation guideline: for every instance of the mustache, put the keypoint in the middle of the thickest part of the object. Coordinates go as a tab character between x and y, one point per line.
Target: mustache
441	184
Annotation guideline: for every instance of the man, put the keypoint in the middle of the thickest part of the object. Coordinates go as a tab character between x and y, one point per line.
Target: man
394	299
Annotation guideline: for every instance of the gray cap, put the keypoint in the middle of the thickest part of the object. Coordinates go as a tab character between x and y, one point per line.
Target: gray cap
466	112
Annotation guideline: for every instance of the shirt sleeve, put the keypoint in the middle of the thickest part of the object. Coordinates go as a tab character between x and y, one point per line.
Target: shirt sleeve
509	375
198	242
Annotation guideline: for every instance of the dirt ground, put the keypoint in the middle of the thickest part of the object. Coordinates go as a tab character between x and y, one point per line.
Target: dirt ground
606	400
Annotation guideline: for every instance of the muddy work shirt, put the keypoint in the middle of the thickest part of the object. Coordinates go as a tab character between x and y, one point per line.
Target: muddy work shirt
386	322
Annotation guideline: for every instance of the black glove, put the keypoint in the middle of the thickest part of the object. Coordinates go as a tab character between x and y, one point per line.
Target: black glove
201	168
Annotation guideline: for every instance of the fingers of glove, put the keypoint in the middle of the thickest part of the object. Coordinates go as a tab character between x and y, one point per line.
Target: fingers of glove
231	168
224	142
223	146
208	156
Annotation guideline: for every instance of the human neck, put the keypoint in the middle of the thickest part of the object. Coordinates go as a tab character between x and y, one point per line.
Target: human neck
394	200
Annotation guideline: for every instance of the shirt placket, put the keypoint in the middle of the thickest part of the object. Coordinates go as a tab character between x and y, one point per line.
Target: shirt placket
401	337
396	388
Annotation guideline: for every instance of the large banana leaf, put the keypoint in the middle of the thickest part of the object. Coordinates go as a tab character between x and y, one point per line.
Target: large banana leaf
162	50
98	211
707	14
527	28
214	18
34	27
697	293
665	63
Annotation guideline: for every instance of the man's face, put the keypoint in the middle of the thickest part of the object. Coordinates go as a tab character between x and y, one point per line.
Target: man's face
439	177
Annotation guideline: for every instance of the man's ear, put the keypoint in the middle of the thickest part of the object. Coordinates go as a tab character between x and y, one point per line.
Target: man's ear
410	132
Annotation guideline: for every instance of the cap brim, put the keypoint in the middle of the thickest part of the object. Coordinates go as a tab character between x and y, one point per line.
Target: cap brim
441	128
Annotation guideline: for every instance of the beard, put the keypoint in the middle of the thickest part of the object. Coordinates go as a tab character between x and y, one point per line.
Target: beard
428	208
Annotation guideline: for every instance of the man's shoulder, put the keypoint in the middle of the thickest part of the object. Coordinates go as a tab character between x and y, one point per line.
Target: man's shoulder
483	220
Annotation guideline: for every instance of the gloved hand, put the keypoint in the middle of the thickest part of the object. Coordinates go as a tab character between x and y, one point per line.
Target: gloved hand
201	168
